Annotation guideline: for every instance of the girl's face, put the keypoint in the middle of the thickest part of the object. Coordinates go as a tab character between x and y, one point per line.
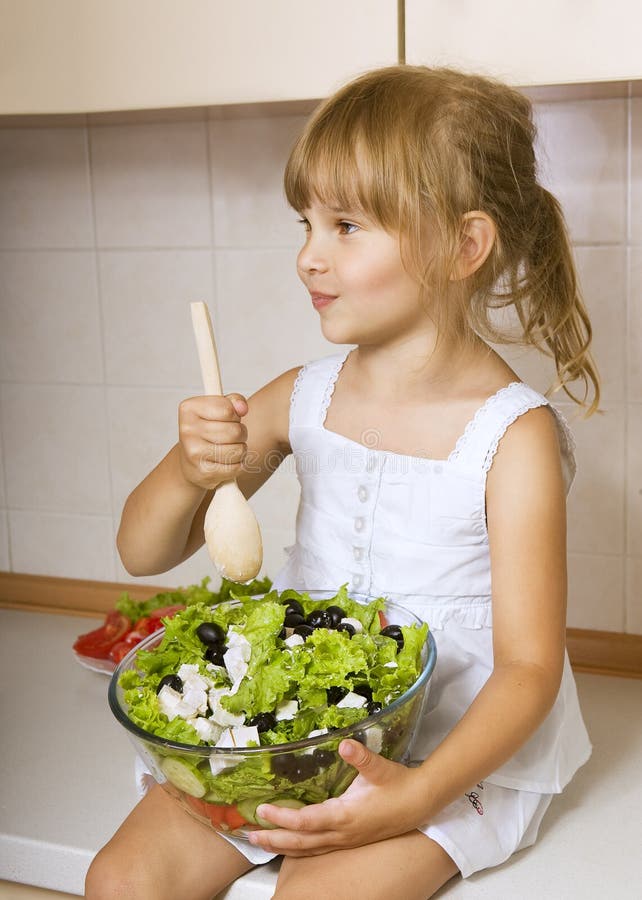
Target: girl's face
356	279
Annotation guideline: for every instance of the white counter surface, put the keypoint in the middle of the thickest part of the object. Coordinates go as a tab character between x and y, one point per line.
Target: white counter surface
67	766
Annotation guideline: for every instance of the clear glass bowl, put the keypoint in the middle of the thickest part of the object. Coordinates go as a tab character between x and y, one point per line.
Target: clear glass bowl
293	774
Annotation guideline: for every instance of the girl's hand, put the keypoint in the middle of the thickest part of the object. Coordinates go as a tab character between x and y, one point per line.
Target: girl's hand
384	800
212	439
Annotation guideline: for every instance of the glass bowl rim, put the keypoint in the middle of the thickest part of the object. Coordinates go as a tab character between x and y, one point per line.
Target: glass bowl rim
202	750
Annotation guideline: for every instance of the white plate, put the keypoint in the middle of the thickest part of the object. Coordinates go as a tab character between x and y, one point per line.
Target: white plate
104	666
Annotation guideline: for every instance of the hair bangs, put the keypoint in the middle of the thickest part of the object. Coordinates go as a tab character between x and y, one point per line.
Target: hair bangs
339	163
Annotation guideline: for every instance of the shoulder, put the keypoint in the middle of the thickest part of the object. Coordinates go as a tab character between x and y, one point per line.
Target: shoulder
527	467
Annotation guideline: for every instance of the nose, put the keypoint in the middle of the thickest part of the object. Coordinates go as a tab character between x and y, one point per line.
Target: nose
312	256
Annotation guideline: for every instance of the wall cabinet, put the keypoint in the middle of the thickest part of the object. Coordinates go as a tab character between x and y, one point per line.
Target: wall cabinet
529	42
73	56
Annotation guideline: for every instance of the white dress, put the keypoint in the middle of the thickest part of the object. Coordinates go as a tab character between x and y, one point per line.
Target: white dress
414	530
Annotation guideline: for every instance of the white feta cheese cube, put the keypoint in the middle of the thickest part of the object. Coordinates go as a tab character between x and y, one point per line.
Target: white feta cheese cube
374	739
317	732
294	640
237	655
286	709
352	701
220	715
356	624
168	701
390	665
244	735
206	729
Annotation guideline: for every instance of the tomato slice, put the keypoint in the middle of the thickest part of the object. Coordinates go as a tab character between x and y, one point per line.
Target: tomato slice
383	621
97	643
234	818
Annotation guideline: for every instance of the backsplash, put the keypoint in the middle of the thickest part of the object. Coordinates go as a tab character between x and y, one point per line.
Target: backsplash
108	231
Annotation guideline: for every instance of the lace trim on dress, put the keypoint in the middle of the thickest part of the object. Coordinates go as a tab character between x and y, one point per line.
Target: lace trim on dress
330	386
493	400
298	381
515	414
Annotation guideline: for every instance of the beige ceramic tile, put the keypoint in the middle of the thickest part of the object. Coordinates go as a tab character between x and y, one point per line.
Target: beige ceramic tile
596	501
634	594
636	170
582	151
151	185
3	498
142	429
50	317
55	444
596	592
634	480
635	325
248	157
62	545
265	321
44	189
5	563
146	298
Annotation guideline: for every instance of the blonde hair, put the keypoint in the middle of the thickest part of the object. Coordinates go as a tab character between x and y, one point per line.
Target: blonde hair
414	147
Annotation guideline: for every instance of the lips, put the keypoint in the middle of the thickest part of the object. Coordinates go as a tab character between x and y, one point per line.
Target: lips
319	301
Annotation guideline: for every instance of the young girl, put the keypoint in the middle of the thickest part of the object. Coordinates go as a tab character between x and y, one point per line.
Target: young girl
429	474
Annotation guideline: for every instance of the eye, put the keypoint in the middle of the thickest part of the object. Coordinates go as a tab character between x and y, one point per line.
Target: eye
348	227
305	223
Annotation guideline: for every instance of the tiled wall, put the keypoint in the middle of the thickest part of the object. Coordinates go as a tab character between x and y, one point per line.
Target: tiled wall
108	231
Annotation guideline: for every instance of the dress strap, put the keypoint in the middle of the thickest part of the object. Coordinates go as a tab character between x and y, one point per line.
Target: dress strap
477	447
313	389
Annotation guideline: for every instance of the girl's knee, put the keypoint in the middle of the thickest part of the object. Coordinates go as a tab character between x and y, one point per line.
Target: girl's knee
110	875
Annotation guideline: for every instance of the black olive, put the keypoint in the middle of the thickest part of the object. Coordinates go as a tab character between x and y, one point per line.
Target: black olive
394	632
264	722
172	680
293	619
364	690
334	694
319	618
294	607
304	630
282	634
210	633
294	767
359	736
324	757
214	654
346	626
373	707
336	614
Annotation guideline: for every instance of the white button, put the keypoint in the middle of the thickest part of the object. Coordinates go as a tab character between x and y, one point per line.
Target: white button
371	464
357	581
362	493
358	553
359	523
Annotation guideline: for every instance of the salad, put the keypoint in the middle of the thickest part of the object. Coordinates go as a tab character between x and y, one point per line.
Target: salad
132	620
273	684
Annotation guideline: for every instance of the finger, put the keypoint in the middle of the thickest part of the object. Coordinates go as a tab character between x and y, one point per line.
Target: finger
292	843
239	403
374	768
316	817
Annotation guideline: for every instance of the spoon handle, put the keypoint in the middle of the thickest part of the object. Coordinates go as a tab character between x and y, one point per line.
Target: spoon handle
206	346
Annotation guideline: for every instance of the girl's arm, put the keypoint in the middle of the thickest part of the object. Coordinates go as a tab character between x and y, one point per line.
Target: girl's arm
162	520
527	533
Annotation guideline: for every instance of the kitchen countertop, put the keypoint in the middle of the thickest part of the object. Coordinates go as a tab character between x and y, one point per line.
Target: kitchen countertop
68	781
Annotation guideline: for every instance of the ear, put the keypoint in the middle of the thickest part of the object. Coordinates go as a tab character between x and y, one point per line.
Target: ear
478	234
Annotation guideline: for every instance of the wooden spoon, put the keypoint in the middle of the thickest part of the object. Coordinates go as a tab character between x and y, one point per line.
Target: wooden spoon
232	533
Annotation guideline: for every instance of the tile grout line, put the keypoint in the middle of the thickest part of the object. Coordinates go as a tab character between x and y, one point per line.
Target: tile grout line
627	351
5	489
209	126
101	320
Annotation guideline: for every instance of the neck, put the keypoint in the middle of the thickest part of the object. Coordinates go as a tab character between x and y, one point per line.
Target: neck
408	368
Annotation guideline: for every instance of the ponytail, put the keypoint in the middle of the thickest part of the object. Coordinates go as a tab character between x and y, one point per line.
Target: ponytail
553	316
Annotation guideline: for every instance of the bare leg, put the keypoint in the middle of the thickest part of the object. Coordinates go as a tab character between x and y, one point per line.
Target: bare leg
408	867
162	853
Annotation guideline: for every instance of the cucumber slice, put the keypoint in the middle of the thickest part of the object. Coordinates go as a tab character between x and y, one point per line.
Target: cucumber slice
183	776
248	808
